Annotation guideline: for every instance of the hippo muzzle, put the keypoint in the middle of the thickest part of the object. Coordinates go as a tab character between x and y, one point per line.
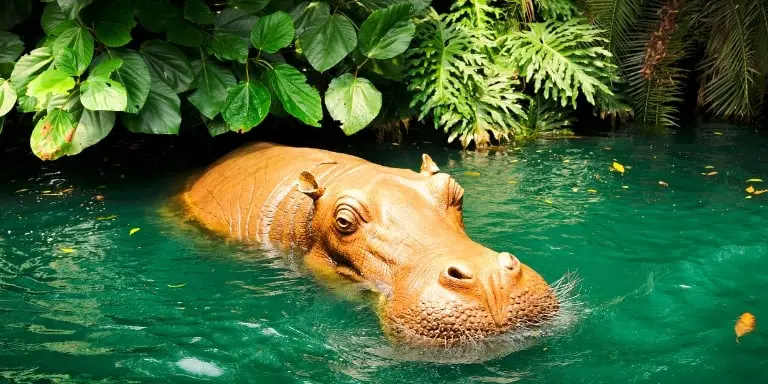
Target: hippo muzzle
399	232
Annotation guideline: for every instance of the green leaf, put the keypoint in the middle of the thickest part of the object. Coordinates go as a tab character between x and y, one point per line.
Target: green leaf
81	42
92	126
197	11
113	21
168	64
13	12
211	94
298	98
232	29
161	113
353	101
66	61
106	67
217	126
103	94
184	33
387	32
328	40
52	136
49	82
273	32
156	15
308	12
10	47
133	75
71	8
7	97
250	6
29	66
54	21
247	105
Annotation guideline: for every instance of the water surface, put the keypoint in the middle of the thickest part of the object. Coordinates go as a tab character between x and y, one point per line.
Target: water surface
665	271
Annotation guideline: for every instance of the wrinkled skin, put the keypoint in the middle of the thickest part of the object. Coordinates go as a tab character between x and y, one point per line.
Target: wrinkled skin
398	231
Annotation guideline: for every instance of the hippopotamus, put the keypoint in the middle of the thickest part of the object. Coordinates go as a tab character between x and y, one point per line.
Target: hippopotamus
399	231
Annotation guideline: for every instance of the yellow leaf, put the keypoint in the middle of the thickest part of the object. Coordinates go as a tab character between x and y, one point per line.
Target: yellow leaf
663	183
591	190
750	189
472	173
177	285
618	167
718	133
67	250
755	181
625	186
110	217
709	167
574	189
133	230
22	190
48	191
760	192
607	148
51	194
548	201
748	197
68	190
710	173
745	324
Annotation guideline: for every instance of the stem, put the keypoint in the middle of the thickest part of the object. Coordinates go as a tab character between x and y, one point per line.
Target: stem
360	66
247	76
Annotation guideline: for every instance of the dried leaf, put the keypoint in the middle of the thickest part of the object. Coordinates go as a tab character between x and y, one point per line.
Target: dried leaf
625	186
574	189
548	201
110	217
709	167
22	190
617	167
718	133
472	173
513	181
745	324
591	191
52	194
710	174
663	183
748	196
47	191
67	250
68	190
177	285
750	189
754	181
133	230
760	192
607	148
99	197
567	161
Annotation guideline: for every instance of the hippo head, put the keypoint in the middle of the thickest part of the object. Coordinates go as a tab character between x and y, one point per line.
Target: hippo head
402	233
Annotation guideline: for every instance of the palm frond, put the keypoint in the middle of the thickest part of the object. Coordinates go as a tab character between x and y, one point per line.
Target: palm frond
617	18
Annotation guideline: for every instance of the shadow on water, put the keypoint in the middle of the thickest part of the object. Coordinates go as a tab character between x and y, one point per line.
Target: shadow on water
665	270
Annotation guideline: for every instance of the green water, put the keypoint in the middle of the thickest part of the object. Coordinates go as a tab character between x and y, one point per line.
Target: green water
665	273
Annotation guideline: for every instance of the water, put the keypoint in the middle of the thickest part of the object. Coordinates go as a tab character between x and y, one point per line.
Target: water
665	272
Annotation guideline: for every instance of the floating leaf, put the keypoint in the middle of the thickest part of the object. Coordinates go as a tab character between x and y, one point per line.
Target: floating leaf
574	189
548	201
744	325
748	197
110	217
591	191
617	167
709	167
663	183
177	285
760	192
133	230
755	181
750	189
625	186
709	173
472	173
22	190
718	133
67	250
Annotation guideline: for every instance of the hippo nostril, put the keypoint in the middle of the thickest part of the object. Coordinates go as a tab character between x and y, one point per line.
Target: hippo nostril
508	261
459	272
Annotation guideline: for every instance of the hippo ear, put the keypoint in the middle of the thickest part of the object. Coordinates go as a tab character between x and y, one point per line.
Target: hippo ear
308	186
428	166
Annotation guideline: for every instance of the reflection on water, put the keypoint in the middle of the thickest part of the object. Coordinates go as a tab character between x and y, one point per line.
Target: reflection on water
665	272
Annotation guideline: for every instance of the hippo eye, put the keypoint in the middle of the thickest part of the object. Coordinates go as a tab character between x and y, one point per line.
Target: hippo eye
346	221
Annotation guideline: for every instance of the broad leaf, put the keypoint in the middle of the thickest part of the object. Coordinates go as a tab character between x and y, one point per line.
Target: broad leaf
247	105
92	126
184	33
250	6
113	21
168	64
211	94
217	126
198	11
71	8
54	21
418	5
53	82
66	61
298	98
232	29
106	67
13	12
29	66
273	32
7	97
103	94
81	42
353	101
10	47
133	75
387	32
156	15
52	136
328	40
307	12
161	113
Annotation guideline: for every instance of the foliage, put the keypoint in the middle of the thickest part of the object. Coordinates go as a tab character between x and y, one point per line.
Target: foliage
140	61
